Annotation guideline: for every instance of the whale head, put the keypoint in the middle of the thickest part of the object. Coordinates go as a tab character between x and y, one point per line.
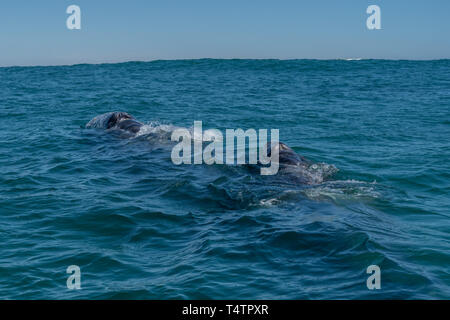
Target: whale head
117	117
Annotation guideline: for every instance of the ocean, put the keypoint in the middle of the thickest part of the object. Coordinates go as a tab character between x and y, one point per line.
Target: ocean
140	227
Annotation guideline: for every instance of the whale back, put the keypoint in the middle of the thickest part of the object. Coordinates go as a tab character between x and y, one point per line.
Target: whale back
286	155
115	120
130	125
104	121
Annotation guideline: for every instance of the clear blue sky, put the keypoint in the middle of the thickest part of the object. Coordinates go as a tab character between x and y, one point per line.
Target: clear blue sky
35	33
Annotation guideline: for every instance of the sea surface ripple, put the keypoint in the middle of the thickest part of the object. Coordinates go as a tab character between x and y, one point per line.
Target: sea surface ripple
141	227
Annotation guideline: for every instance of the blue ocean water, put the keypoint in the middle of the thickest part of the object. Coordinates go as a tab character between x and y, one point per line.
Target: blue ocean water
140	227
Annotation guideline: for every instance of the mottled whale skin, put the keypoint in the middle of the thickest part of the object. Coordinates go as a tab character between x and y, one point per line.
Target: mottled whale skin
116	120
287	156
294	167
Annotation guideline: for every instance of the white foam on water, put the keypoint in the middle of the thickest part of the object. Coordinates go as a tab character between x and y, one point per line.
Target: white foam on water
156	128
269	202
343	190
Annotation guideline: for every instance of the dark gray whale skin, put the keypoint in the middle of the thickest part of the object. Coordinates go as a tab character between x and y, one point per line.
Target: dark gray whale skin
287	156
123	121
293	168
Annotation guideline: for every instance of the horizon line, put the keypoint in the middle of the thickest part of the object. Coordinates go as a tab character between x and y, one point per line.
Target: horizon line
206	58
